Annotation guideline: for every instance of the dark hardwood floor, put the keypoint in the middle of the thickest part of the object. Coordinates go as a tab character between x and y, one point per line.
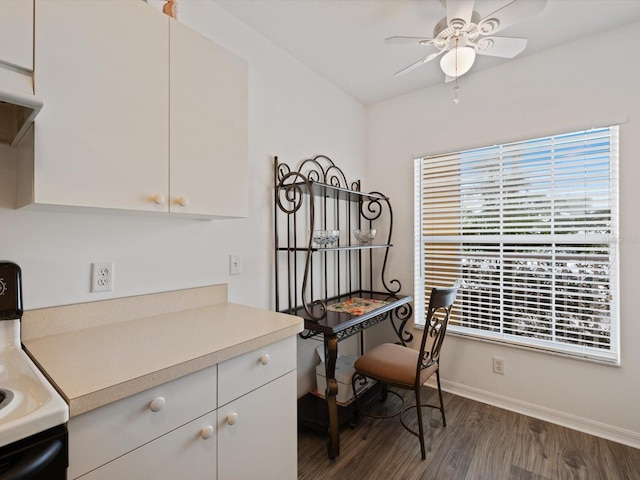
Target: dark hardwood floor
480	442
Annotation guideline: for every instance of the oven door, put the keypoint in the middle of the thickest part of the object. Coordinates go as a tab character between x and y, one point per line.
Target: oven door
44	456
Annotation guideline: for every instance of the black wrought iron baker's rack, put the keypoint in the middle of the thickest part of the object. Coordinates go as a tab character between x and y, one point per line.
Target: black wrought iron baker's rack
313	280
310	278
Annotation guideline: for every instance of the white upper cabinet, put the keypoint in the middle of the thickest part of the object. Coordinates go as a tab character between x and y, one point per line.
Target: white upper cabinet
16	33
16	45
101	139
140	114
208	126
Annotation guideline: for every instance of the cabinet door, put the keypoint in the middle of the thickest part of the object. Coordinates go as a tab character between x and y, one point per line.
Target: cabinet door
209	125
16	45
188	452
101	139
257	433
16	33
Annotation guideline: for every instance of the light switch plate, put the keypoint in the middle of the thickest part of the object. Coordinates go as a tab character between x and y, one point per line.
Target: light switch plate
235	264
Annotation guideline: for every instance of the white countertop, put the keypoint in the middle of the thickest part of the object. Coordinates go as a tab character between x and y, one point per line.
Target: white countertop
100	364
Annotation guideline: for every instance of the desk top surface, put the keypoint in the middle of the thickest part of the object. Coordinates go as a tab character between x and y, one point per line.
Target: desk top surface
336	322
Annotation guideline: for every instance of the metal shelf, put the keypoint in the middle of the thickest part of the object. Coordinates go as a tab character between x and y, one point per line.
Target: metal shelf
340	193
339	248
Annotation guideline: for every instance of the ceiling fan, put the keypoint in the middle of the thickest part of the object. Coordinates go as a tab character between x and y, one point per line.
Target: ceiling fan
463	33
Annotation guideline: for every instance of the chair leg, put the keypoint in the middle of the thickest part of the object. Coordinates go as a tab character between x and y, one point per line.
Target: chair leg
420	427
444	421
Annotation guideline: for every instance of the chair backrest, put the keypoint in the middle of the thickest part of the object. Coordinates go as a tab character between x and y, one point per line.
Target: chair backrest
437	319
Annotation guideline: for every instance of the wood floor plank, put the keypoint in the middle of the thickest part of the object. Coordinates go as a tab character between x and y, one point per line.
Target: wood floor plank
480	442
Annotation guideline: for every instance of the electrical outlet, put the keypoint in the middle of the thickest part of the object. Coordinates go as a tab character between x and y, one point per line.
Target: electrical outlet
102	277
498	365
235	264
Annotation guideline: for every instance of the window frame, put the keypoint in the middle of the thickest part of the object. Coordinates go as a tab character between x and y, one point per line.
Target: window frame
561	346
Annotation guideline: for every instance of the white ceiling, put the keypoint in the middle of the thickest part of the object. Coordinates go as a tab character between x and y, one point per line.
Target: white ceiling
343	40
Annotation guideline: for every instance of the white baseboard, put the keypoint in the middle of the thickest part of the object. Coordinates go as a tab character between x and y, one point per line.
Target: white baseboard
615	434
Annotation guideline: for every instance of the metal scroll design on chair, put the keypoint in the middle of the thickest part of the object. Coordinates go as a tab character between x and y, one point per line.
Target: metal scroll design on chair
437	321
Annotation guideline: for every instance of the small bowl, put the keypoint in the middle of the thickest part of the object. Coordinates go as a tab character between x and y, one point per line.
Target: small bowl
365	237
323	238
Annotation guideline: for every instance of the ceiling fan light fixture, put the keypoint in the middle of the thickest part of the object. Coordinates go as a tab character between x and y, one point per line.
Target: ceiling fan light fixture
457	61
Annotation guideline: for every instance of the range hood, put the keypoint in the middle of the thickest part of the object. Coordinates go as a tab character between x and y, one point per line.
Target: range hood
17	111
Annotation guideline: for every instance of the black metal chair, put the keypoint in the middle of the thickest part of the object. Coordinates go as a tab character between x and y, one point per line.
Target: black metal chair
403	367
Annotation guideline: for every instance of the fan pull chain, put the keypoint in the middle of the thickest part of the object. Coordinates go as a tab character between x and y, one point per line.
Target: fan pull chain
456	100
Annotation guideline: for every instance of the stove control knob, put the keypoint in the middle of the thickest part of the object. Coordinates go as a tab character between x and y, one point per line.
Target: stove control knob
157	404
207	432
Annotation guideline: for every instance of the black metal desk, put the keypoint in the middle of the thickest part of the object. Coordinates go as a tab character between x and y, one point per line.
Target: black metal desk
334	327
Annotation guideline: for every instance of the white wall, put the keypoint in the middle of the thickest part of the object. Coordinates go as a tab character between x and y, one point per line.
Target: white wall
293	113
587	84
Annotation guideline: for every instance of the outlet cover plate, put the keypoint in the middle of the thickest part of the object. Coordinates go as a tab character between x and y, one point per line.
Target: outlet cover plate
102	275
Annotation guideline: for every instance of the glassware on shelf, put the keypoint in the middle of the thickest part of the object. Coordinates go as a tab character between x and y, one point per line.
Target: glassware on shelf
325	238
365	237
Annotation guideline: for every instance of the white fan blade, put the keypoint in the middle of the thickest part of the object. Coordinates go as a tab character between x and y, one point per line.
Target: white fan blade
408	40
510	14
505	47
426	59
461	9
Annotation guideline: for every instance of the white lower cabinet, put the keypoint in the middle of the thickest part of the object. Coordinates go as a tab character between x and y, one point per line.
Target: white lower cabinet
188	452
257	433
173	431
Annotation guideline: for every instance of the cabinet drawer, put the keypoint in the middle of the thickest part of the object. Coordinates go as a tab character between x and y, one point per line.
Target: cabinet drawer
188	452
98	436
247	372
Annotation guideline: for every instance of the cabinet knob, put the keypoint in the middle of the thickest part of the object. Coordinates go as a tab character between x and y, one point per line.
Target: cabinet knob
264	359
182	201
232	418
157	404
158	199
207	432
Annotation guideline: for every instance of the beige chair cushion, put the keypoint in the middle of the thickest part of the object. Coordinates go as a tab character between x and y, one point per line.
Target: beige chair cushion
395	364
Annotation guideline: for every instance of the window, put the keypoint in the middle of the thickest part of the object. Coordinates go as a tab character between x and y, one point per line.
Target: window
530	229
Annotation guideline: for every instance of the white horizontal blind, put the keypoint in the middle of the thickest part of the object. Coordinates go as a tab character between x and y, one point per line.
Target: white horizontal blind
530	228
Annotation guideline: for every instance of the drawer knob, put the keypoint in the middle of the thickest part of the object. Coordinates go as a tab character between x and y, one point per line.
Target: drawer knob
207	432
182	201
232	418
264	359
157	404
158	199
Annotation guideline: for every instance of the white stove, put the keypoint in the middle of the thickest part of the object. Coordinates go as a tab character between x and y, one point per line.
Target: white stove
33	434
28	402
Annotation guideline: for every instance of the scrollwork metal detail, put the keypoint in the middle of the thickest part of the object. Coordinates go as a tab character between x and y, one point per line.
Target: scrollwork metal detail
309	179
396	282
402	314
370	208
289	199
